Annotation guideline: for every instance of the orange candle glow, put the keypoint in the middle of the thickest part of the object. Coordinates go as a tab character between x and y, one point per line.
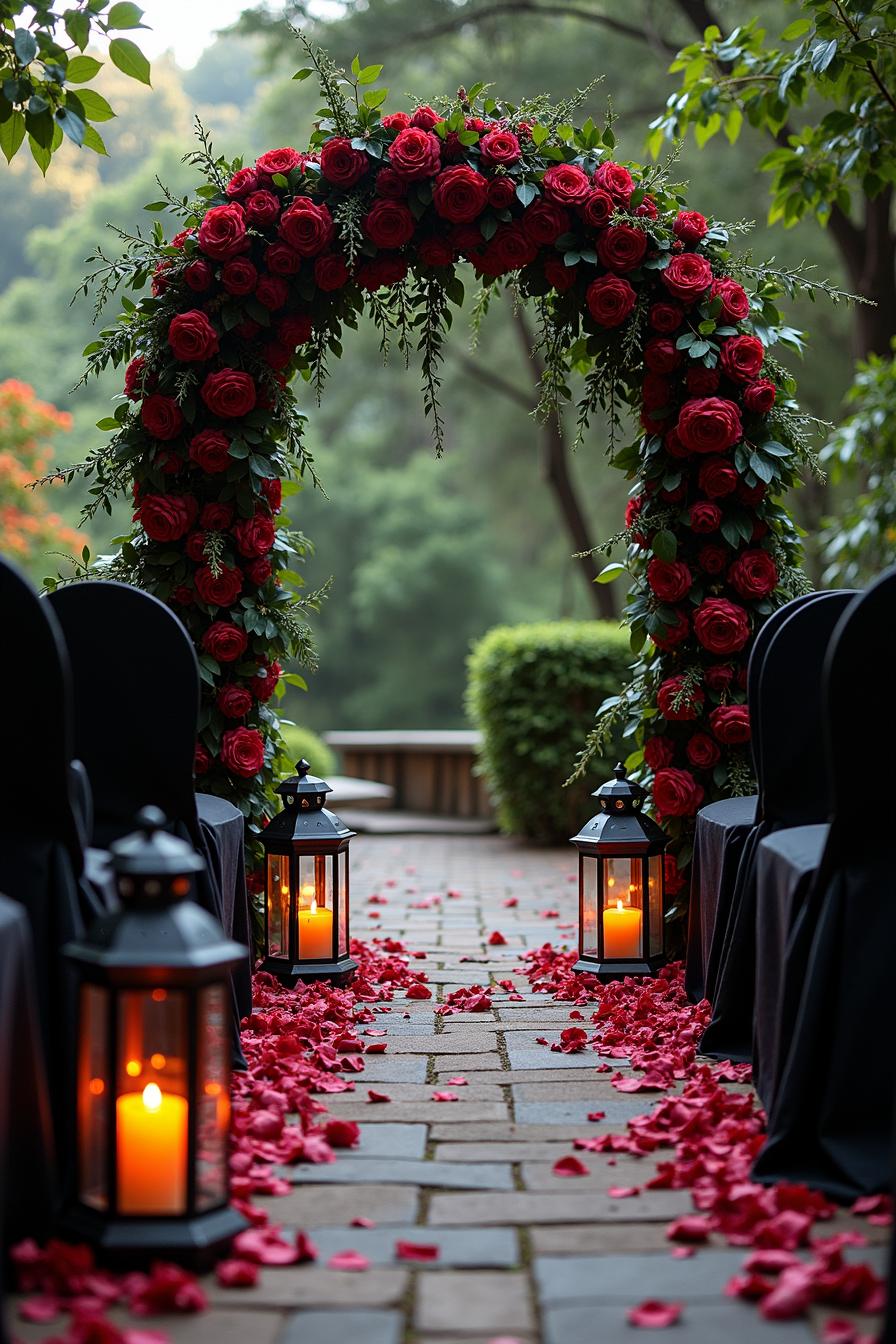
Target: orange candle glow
152	1151
622	931
315	931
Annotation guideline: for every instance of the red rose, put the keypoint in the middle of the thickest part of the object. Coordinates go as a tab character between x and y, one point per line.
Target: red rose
676	793
460	194
499	148
719	676
615	180
709	425
656	392
242	751
262	208
436	252
221	589
242	182
566	184
283	260
759	397
544	221
717	477
264	683
415	154
751	494
341	164
501	193
306	227
229	393
388	183
721	626
254	536
690	226
134	378
701	381
673	876
389	223
182	595
248	329
704	517
239	276
668	636
272	489
676	702
660	355
234	701
425	117
216	517
279	161
511	249
224	641
665	317
632	514
294	330
659	751
210	450
166	517
381	273
647	209
712	559
161	416
276	355
330	273
195	546
610	300
687	276
259	571
558	275
168	461
201	760
742	358
397	121
731	724
735	304
597	208
192	337
198	275
222	233
753	574
621	247
670	580
272	292
702	752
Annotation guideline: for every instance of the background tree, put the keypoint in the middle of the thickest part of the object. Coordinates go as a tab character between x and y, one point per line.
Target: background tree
28	525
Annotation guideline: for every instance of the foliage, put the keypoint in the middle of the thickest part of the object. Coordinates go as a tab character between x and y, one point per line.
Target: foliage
27	428
44	78
617	274
301	742
531	692
841	51
861	541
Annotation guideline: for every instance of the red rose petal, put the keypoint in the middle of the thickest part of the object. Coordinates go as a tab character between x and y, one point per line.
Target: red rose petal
350	1261
373	1096
236	1273
623	1191
412	1250
654	1315
445	1096
570	1166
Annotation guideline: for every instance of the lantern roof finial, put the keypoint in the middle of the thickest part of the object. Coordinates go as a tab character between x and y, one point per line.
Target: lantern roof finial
151	851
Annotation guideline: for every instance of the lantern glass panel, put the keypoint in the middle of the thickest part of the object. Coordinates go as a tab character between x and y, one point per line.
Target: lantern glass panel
94	1085
213	1099
655	888
151	1103
340	866
588	871
623	905
278	905
315	907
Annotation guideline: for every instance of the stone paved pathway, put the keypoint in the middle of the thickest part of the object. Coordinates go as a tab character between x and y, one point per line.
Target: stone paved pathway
522	1252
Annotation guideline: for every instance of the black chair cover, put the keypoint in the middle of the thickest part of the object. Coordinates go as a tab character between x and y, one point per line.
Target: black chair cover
791	765
721	833
135	720
831	1121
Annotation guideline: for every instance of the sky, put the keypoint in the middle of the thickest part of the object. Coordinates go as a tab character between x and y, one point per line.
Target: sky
185	27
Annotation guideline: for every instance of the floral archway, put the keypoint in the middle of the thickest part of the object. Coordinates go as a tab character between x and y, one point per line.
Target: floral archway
635	294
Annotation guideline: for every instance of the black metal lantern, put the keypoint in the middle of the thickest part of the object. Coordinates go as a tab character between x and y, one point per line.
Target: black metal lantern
621	884
306	927
153	1074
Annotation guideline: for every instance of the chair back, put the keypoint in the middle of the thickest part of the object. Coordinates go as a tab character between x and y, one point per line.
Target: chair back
136	700
764	637
789	727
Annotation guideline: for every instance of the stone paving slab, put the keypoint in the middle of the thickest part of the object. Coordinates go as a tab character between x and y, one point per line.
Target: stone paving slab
495	1152
389	1069
459	1247
609	1278
441	1175
338	1327
702	1323
510	1131
576	1112
310	1205
417	1112
387	1140
473	1301
230	1326
523	1207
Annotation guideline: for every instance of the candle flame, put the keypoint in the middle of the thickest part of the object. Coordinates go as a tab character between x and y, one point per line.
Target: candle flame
313	906
152	1097
619	905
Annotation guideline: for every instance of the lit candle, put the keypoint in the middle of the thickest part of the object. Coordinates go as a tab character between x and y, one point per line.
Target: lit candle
152	1151
316	932
622	931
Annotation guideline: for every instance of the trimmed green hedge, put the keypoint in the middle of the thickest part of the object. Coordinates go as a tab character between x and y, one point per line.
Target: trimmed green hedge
301	742
532	691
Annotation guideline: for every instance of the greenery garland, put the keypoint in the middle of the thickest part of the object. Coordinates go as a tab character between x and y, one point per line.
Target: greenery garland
639	296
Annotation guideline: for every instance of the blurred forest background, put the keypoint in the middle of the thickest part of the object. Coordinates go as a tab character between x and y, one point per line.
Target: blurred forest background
425	554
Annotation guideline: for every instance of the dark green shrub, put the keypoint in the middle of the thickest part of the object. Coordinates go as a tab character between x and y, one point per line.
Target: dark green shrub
532	691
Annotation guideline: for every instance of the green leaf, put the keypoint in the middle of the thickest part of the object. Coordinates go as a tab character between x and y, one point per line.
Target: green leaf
24	45
93	140
468	137
539	134
369	74
526	192
796	29
94	105
82	68
12	133
664	545
124	15
129	59
72	125
611	572
77	25
303	73
375	97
